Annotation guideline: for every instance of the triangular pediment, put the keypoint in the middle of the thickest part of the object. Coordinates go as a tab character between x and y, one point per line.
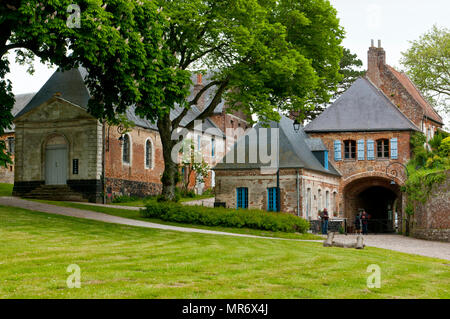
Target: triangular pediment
55	109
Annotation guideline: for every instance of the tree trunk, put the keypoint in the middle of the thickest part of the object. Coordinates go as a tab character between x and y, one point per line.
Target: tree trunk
170	176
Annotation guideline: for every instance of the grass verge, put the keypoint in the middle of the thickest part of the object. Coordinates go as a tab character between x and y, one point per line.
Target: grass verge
134	214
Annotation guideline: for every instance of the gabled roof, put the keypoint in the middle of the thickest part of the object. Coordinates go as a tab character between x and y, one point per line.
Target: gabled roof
70	84
21	101
406	82
71	87
294	151
362	108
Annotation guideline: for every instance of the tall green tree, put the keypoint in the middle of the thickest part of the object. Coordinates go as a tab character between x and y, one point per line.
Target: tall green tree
427	62
114	40
267	55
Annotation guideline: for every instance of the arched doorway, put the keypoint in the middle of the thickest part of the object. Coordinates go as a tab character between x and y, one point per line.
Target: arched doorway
56	161
379	197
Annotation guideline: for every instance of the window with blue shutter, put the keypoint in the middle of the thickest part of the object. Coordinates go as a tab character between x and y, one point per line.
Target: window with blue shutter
242	197
272	199
370	149
325	159
361	150
337	151
394	148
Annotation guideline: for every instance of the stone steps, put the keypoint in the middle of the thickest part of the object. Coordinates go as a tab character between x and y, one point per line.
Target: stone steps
55	192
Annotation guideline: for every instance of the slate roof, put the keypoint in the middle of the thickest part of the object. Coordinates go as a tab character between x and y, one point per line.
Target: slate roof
294	151
70	84
362	108
429	111
21	101
316	144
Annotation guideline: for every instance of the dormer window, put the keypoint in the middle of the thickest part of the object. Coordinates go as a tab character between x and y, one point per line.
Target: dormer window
350	149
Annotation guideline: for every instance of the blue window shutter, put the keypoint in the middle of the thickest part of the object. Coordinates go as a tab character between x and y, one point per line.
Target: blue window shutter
237	197
361	150
245	200
325	159
272	199
394	148
337	151
370	149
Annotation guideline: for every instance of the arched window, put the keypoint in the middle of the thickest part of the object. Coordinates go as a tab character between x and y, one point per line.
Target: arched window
383	148
126	149
350	149
334	204
327	200
148	154
319	199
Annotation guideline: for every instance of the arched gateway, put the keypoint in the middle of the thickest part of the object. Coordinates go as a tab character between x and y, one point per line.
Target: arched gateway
378	196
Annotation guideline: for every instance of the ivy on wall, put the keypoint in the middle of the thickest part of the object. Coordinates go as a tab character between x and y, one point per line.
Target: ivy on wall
427	167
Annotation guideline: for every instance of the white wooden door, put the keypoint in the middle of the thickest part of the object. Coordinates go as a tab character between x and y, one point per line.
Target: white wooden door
56	166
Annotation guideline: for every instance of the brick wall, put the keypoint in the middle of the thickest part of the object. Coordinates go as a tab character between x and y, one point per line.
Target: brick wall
367	172
120	175
432	219
393	84
7	173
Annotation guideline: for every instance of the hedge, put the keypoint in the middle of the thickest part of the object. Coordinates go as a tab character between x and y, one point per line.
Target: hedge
226	217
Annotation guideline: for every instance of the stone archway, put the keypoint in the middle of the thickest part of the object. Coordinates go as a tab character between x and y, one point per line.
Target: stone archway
379	196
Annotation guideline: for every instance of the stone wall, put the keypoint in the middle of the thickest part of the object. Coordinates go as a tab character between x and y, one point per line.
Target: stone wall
432	219
228	180
57	119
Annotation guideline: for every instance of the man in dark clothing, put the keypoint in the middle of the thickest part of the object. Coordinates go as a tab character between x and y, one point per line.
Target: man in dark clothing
365	222
358	223
324	217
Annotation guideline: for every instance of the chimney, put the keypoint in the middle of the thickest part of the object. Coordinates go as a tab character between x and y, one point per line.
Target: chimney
376	60
197	87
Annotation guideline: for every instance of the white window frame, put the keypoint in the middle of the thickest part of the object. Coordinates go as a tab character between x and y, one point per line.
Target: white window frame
152	158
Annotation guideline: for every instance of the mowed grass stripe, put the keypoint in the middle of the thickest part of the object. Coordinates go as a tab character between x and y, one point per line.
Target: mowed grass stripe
129	262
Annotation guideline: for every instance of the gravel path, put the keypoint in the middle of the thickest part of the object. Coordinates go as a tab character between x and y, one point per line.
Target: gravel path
392	242
80	213
403	244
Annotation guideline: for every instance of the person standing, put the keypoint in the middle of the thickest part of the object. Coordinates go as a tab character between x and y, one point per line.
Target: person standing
324	217
358	223
365	222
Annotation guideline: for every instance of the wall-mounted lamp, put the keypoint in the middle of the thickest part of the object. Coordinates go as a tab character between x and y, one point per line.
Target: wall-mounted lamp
296	126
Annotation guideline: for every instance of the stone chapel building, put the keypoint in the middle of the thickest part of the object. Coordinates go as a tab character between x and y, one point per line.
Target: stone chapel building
365	136
64	153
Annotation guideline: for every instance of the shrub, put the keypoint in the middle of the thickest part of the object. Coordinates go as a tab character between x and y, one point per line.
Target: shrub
125	199
227	217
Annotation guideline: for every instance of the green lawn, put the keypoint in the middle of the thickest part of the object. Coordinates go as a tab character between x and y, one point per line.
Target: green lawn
129	262
135	215
6	189
141	202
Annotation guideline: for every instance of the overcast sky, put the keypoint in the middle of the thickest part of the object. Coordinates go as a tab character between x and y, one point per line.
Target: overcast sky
394	22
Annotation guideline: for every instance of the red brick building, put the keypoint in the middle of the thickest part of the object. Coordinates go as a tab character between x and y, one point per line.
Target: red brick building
368	132
62	152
